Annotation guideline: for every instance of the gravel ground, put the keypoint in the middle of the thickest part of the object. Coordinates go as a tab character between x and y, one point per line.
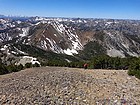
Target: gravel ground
69	86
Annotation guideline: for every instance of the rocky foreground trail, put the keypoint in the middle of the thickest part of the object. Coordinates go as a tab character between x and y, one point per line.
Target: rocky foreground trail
69	86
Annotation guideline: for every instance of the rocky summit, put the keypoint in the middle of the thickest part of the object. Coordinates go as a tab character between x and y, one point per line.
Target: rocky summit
69	86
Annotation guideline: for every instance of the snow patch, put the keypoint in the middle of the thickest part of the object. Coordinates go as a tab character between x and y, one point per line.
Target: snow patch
4	48
109	23
18	22
24	32
80	21
70	51
27	59
13	52
133	54
68	60
44	44
55	35
85	21
37	23
114	53
19	51
52	45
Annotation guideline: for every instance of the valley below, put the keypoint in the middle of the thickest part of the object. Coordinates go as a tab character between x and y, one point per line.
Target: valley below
69	86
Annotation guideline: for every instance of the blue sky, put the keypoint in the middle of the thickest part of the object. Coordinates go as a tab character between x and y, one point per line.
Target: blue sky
118	9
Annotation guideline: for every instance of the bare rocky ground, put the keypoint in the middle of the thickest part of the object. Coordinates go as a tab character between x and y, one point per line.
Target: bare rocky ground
69	86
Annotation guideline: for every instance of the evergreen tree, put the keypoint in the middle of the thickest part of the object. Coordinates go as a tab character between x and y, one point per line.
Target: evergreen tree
20	67
36	65
28	65
3	69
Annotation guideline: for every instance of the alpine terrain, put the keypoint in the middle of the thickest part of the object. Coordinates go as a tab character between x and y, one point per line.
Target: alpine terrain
109	44
72	38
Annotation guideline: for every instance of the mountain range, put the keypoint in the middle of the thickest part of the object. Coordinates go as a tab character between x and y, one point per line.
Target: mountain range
67	38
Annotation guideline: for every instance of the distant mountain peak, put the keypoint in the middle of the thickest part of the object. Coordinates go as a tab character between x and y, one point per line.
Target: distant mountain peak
71	35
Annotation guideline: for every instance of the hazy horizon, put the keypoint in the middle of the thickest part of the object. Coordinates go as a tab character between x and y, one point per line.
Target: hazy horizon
104	9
